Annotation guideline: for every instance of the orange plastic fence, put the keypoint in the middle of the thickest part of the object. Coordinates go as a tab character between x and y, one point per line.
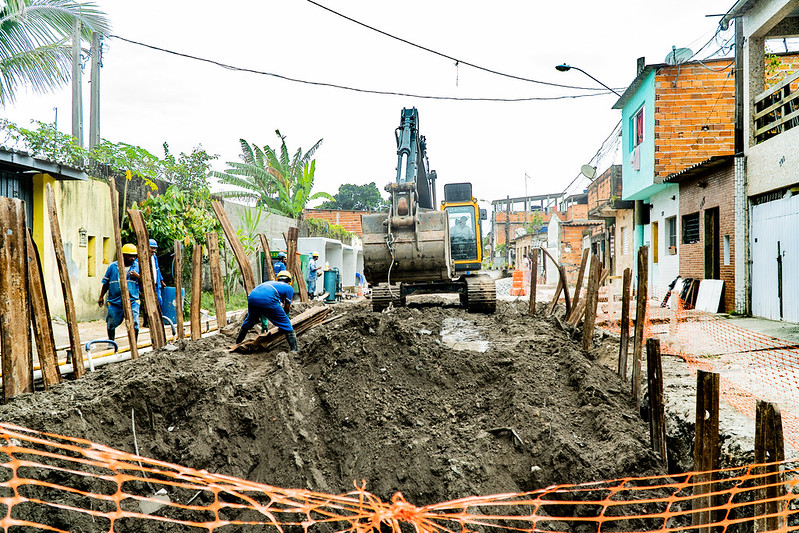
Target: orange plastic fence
519	287
57	483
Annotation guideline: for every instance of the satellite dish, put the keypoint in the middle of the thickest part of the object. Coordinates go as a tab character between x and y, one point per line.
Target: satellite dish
519	232
679	55
588	171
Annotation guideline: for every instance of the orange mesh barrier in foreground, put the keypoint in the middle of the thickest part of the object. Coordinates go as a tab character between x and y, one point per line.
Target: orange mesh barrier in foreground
57	483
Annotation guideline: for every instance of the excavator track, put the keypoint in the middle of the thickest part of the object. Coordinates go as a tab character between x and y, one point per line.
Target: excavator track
481	294
382	297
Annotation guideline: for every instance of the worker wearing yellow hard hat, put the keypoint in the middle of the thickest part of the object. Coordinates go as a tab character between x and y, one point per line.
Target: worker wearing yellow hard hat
271	299
313	272
115	315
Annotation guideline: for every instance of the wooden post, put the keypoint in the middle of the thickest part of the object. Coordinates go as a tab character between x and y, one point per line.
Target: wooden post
196	291
706	448
562	283
270	272
238	250
127	310
579	287
179	289
66	288
147	283
769	448
640	319
15	319
625	324
657	409
558	290
533	281
42	320
216	279
294	264
591	297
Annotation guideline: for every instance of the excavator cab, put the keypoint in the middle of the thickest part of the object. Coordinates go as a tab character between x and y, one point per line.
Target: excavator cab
465	232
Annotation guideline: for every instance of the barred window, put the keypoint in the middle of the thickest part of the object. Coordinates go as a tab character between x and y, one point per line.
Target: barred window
690	228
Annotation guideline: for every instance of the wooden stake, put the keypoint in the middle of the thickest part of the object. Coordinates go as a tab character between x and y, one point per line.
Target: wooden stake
238	250
147	283
579	286
563	284
42	320
625	324
179	289
216	279
657	409
558	290
640	320
75	348
769	448
706	448
127	308
196	291
15	319
270	271
533	282
294	263
591	297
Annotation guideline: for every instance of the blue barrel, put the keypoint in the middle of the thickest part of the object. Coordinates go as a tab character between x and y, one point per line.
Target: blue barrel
168	309
331	284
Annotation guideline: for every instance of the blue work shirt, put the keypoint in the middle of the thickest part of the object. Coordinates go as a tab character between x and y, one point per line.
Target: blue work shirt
270	293
311	276
279	266
111	280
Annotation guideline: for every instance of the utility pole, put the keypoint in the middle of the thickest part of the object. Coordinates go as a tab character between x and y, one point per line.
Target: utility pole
77	93
507	232
94	106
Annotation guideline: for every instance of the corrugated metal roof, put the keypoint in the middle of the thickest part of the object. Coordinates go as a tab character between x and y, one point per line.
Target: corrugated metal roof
698	169
27	161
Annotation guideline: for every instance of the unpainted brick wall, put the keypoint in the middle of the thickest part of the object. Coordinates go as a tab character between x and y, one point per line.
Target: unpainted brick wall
349	220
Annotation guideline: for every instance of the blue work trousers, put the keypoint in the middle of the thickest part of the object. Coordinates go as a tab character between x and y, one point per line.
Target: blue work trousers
271	309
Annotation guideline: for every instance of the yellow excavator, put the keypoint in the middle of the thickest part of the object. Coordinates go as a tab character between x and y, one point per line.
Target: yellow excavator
414	248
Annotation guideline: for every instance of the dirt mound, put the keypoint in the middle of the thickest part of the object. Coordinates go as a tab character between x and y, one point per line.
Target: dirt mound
426	400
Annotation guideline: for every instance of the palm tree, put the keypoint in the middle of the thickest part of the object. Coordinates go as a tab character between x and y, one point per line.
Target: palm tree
36	42
273	179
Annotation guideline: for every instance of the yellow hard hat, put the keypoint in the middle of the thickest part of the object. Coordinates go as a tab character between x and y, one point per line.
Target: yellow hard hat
130	249
315	254
284	275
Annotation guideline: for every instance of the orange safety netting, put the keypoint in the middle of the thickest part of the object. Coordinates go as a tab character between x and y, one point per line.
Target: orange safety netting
57	483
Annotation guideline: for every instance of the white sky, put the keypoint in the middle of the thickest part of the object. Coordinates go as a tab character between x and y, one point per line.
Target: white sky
149	97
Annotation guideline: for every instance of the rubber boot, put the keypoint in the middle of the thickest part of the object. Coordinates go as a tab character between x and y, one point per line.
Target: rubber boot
291	337
242	334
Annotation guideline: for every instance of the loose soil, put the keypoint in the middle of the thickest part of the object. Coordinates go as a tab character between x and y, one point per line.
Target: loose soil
427	400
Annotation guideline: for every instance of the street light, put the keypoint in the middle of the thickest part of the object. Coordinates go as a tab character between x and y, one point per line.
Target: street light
565	68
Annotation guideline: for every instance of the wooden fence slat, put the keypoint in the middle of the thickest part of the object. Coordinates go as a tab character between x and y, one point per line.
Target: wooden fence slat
640	321
147	285
270	271
123	273
563	282
238	250
657	408
706	449
624	343
15	341
591	299
579	287
769	448
75	348
41	318
196	291
533	282
179	289
294	263
216	278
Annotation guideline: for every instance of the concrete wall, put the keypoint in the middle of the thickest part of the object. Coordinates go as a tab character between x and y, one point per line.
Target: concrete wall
772	164
348	259
624	219
637	183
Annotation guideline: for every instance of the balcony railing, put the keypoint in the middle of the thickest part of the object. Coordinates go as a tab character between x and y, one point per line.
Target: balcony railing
777	109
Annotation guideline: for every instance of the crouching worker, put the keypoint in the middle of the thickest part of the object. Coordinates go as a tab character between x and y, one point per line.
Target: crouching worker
271	299
115	314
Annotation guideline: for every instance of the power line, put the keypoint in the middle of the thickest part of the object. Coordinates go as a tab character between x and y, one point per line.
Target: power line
451	58
349	88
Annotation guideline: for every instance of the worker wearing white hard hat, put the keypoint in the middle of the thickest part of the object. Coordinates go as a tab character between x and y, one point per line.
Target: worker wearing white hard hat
115	314
313	272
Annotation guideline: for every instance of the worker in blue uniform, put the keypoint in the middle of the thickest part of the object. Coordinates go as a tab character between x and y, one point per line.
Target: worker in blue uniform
157	277
271	299
110	286
280	264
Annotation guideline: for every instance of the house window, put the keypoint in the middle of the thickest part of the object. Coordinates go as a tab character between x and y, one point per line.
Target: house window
638	127
625	240
655	242
671	233
690	228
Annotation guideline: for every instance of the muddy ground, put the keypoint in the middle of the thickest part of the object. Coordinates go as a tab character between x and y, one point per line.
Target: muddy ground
427	400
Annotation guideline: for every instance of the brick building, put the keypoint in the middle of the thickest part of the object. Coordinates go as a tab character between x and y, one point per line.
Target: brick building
349	220
567	233
704	230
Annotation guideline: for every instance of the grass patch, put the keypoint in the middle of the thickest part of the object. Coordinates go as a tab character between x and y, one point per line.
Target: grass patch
233	302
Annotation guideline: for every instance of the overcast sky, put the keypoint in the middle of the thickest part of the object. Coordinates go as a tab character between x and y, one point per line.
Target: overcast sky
149	97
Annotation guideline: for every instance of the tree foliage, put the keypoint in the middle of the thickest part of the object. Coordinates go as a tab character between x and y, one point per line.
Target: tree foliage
352	197
272	178
36	42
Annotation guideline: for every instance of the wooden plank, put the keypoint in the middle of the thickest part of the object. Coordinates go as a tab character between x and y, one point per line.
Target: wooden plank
123	287
75	348
577	313
196	291
270	272
770	505
179	289
533	282
556	297
591	300
563	282
15	341
272	338
624	343
579	287
216	278
296	270
657	408
147	283
238	250
706	449
41	318
640	320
